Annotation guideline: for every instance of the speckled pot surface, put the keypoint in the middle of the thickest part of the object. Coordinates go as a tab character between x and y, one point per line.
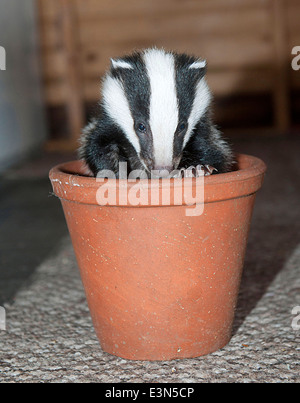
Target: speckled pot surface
160	284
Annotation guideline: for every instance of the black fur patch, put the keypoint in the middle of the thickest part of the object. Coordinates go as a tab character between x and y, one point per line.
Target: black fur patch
186	81
106	146
202	150
137	86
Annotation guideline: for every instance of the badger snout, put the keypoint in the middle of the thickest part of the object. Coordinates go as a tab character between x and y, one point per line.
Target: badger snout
160	171
168	168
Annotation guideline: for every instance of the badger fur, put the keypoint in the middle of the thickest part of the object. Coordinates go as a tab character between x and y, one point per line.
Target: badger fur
155	114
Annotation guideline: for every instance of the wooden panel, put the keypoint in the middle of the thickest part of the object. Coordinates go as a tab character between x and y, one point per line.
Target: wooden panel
293	22
224	83
137	7
51	33
110	28
54	65
55	92
247	43
223	53
48	10
75	104
209	35
281	96
175	23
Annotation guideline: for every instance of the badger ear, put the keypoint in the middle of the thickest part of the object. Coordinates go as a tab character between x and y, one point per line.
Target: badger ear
198	64
120	64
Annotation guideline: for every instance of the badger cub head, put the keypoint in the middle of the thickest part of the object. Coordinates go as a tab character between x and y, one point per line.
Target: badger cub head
154	115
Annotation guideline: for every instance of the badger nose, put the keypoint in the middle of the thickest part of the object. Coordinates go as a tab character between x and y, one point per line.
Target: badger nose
163	168
162	171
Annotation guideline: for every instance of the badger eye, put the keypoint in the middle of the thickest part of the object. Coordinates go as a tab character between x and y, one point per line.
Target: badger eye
142	128
181	127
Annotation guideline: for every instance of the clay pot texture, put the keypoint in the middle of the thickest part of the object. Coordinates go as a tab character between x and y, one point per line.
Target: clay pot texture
161	285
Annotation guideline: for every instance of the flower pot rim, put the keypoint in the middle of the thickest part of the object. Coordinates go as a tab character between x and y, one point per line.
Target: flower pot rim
70	182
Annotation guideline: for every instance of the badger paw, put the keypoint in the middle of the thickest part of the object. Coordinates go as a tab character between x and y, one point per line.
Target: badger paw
208	170
194	172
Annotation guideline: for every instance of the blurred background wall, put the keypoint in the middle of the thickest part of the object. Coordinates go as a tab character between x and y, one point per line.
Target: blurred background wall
247	43
22	112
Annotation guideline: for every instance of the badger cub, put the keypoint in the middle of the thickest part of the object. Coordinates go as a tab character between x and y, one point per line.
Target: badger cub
155	115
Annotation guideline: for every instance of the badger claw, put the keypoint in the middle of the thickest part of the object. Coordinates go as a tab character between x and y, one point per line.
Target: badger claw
195	172
205	170
208	169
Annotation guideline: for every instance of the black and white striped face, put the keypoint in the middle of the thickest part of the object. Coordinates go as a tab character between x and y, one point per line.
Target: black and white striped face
157	98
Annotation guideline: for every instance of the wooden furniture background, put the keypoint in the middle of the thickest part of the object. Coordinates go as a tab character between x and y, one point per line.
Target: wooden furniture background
247	43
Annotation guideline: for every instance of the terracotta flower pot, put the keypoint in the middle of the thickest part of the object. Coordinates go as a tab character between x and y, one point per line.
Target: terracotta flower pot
160	284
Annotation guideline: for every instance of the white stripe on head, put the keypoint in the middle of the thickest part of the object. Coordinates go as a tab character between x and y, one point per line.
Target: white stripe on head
199	64
160	68
201	102
120	64
117	107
